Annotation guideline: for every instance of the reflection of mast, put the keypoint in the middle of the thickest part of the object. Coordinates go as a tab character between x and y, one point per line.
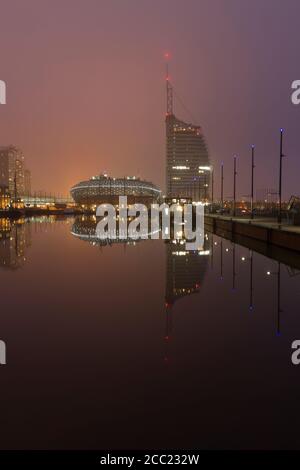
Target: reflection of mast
278	297
221	261
233	267
212	252
168	330
16	239
279	311
185	271
168	321
251	279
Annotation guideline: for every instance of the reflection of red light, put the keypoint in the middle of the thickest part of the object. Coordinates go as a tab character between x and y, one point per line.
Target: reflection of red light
167	338
166	359
167	55
197	286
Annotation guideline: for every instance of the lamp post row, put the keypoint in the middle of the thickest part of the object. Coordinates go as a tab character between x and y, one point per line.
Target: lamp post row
252	181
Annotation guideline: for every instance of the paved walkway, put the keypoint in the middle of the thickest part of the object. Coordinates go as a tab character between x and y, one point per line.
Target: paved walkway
264	222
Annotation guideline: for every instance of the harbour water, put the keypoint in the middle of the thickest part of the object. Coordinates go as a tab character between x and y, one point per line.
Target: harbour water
144	345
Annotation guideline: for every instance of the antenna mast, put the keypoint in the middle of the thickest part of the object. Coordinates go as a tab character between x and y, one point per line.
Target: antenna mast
169	88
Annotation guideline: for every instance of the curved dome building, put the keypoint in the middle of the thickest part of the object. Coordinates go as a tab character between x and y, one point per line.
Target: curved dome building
104	189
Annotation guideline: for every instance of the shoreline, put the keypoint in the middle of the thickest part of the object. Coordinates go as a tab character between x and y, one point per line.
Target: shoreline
267	231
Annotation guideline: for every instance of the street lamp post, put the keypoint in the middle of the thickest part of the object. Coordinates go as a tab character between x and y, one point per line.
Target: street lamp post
280	176
222	185
212	185
234	185
252	180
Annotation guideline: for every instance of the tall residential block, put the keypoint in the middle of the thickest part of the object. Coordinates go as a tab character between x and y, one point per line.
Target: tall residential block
12	173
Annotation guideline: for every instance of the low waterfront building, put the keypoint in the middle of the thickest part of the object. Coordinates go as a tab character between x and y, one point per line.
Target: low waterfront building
104	189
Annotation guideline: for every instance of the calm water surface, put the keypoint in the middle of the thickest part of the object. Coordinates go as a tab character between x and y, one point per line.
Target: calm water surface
144	345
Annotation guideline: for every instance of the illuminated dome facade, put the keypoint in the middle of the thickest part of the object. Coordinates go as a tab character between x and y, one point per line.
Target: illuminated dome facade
104	189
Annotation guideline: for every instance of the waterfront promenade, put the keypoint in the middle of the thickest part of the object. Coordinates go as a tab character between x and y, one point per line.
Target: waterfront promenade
265	235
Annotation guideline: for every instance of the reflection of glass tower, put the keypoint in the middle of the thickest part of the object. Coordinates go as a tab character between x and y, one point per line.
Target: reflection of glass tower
15	237
185	271
187	159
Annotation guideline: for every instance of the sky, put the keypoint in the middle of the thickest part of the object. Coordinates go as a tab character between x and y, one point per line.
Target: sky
86	90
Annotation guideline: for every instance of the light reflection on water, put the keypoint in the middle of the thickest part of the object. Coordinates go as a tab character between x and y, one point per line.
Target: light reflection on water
145	344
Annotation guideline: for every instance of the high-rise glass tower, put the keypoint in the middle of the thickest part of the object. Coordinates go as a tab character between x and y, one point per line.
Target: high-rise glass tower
188	171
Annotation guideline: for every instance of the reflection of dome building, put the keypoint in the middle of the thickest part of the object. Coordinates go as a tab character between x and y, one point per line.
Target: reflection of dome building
84	228
103	189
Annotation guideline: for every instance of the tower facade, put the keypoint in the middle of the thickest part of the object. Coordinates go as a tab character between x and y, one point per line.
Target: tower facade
188	171
12	170
27	182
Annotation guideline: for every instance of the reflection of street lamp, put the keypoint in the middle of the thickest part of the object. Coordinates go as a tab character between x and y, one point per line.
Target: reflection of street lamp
250	259
279	311
212	251
221	261
233	267
233	264
233	250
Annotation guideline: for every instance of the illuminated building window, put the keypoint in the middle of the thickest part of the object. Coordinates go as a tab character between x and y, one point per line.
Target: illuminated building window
180	167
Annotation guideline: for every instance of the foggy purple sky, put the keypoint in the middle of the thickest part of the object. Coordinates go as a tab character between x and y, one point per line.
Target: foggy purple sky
86	91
